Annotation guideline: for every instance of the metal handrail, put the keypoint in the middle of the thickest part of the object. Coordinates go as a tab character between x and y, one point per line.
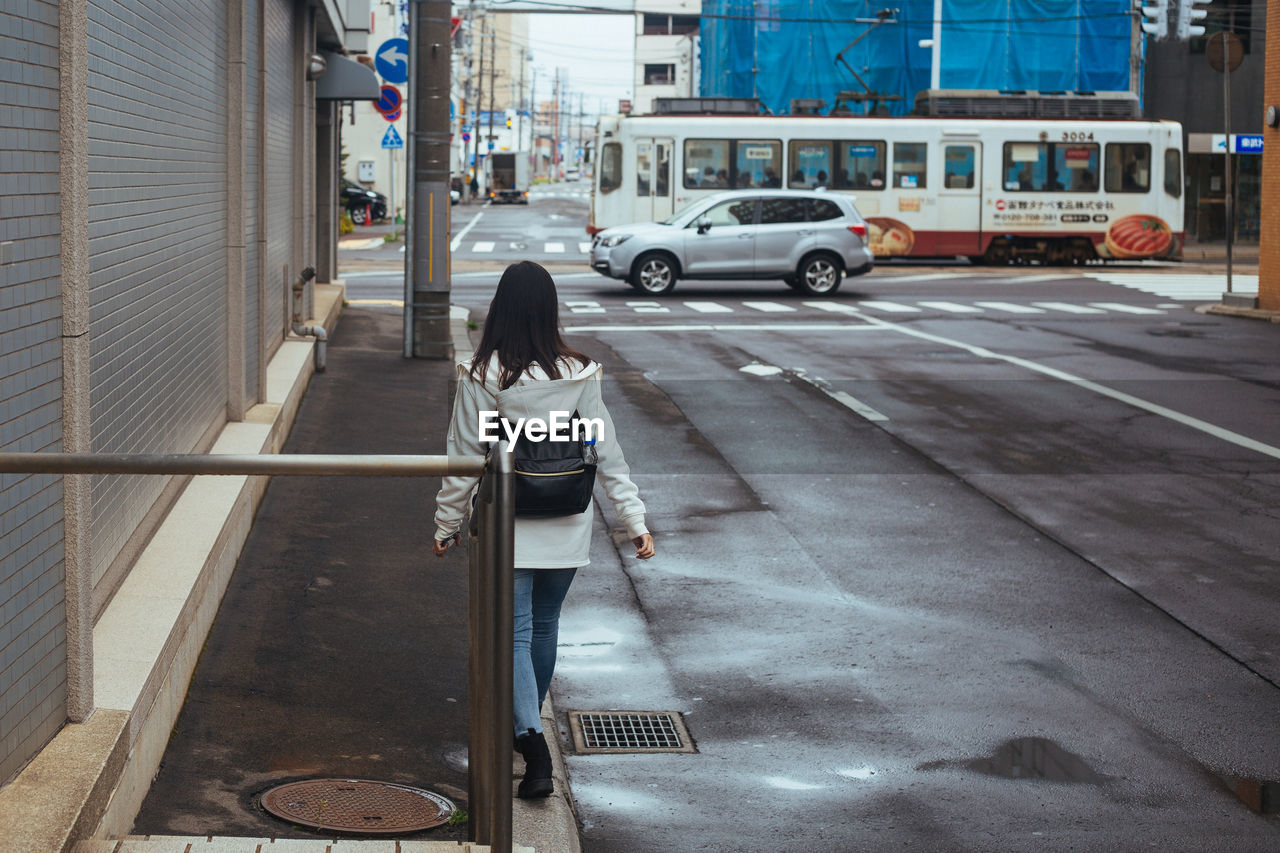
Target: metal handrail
491	556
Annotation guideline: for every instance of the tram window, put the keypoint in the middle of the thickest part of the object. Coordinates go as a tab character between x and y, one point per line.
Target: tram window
1128	167
861	165
810	163
610	167
1173	172
643	167
1075	167
1050	167
778	211
758	163
958	165
910	160
706	163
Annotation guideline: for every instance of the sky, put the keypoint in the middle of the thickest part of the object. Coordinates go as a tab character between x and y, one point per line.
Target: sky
597	50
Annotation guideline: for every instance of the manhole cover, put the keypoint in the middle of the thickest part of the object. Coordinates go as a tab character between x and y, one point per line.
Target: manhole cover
357	805
629	731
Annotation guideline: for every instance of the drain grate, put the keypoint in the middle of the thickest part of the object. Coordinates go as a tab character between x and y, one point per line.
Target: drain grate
629	731
357	805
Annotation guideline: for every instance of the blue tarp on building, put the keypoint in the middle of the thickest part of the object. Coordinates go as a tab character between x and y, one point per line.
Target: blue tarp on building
778	50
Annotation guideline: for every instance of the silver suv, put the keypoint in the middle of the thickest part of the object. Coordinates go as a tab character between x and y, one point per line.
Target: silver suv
809	239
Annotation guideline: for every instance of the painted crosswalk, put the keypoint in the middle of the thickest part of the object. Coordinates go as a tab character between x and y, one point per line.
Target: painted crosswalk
1182	286
869	307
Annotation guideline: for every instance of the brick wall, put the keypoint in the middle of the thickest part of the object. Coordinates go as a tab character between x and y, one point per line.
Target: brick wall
32	622
1269	254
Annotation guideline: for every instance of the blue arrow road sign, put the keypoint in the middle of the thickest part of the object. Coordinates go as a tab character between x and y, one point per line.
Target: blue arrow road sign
391	139
392	60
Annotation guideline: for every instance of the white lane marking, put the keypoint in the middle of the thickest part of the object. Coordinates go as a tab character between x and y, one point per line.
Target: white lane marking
833	307
769	307
758	369
457	240
483	246
649	308
371	243
553	248
729	327
952	307
583	307
845	399
709	307
1069	308
1190	286
1027	279
1125	309
891	307
1128	399
397	302
584	247
1010	307
896	279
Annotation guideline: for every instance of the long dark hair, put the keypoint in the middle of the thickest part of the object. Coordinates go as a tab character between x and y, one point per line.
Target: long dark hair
522	327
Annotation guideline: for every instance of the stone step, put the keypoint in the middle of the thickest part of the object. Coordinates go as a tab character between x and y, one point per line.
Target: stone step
220	844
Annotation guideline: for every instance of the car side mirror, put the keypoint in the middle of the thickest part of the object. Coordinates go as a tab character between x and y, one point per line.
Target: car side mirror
704	225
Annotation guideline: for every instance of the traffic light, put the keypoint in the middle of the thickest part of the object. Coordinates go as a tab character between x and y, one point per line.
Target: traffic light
508	121
1155	18
1189	14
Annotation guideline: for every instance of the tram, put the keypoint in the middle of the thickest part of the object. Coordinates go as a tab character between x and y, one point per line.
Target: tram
1057	191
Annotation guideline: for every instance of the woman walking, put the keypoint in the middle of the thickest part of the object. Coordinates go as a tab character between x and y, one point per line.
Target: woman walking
523	369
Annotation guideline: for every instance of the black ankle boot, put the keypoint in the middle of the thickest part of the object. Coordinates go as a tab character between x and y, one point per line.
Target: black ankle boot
537	780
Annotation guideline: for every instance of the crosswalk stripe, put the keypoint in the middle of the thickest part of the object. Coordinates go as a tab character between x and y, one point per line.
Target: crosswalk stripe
584	307
553	247
952	307
1125	309
483	246
1028	279
923	276
649	308
833	307
1010	307
709	307
1069	308
584	247
769	307
891	307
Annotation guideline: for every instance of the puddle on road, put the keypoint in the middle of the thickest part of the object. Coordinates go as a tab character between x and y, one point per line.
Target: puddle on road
1028	758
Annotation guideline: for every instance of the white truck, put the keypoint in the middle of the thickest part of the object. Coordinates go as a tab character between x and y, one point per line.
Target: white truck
508	173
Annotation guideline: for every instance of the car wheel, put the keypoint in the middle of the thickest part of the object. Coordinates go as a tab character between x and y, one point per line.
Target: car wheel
654	273
819	274
358	215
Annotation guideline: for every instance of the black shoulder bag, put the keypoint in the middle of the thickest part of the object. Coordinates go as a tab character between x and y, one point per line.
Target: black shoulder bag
554	478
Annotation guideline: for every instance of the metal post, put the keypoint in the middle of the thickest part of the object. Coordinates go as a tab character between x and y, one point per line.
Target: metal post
1228	207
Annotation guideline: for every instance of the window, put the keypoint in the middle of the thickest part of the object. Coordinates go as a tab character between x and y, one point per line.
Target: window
810	164
910	160
683	25
820	210
655	25
1051	166
659	75
779	211
1173	172
740	211
610	167
706	163
861	165
1128	167
959	162
644	164
758	163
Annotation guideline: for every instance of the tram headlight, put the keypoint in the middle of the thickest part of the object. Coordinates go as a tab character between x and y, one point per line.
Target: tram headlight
613	240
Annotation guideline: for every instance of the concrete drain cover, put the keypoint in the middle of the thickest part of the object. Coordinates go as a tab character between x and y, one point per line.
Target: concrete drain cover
357	805
629	731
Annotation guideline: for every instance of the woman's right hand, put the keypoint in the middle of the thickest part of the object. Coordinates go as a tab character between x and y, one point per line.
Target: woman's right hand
440	547
644	546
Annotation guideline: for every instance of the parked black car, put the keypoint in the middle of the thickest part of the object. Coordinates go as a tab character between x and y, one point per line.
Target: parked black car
363	206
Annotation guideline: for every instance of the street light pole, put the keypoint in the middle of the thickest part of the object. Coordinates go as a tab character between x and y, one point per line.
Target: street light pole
427	275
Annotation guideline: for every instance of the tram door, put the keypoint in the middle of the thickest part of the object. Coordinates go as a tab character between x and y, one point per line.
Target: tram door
653	179
960	199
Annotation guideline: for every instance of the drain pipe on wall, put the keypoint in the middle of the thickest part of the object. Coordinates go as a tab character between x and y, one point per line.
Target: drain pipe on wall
297	326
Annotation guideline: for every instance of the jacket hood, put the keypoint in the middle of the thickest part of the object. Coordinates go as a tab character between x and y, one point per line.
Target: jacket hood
534	397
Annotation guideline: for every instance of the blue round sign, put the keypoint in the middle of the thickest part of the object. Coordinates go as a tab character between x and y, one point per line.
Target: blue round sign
389	102
392	60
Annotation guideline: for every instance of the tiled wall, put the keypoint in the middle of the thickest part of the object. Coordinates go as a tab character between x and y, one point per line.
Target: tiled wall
32	622
1269	258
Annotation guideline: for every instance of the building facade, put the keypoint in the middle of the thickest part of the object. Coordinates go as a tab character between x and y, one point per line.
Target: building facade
167	168
667	51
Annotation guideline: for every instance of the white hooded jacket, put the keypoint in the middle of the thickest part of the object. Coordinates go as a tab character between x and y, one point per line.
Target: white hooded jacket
540	543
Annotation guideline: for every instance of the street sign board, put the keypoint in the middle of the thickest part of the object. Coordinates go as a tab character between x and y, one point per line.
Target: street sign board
1246	143
389	102
391	139
395	116
466	137
392	60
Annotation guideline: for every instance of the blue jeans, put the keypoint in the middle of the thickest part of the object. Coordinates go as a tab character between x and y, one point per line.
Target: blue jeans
538	596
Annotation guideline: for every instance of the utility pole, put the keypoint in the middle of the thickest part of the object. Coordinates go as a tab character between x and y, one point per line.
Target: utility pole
533	121
577	151
519	99
475	131
555	128
427	277
493	38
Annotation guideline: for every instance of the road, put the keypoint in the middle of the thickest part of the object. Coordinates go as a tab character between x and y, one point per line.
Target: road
958	560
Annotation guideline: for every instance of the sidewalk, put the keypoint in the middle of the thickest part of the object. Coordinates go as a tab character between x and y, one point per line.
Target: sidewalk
340	648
